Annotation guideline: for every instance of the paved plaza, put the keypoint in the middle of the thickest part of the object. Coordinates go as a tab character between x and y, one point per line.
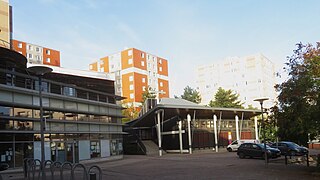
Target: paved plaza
204	165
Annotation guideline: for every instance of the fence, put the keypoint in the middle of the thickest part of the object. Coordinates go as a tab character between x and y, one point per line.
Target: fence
57	170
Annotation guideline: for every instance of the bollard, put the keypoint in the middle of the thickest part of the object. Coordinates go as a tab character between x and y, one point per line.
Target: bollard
285	159
93	176
307	159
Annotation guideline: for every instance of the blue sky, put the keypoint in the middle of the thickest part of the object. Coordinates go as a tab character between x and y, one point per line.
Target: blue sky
188	33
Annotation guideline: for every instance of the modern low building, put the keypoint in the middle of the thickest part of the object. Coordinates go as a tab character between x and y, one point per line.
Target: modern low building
82	118
36	54
177	125
134	71
251	77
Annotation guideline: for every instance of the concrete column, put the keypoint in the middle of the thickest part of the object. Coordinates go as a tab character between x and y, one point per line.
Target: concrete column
180	136
189	133
159	133
215	132
256	127
237	126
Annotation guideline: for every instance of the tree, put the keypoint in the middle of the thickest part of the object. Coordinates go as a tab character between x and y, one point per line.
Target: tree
148	94
130	113
191	95
226	98
298	111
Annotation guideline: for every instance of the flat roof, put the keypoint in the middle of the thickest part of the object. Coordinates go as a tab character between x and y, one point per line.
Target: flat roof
180	107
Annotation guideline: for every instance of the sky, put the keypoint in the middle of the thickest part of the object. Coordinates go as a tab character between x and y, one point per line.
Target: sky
188	33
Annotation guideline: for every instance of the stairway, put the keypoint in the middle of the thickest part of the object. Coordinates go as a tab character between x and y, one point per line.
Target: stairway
152	148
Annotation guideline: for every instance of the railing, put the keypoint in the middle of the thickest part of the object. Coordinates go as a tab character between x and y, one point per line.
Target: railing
59	171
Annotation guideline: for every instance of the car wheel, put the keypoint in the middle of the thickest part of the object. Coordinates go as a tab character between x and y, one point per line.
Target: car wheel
241	155
229	149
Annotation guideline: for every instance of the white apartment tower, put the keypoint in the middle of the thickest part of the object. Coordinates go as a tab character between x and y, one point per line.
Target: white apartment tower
251	77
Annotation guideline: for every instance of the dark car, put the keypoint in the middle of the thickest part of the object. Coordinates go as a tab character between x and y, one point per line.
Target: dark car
257	151
290	148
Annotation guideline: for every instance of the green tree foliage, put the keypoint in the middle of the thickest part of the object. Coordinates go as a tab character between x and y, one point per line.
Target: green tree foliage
226	98
298	111
130	113
148	94
191	95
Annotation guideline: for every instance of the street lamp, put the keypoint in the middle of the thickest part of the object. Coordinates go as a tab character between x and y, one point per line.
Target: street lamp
260	100
40	71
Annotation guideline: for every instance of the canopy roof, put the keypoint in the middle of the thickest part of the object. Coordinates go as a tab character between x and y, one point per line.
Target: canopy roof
180	107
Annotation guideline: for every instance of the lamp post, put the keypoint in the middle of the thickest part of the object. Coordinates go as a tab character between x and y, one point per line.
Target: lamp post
260	100
40	71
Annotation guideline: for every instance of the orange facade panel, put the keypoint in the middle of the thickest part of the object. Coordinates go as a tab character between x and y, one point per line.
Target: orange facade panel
104	64
162	67
128	87
127	58
51	57
163	86
139	59
140	85
20	47
93	66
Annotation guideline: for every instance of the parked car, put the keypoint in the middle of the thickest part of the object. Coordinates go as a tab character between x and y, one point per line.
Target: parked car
253	150
290	148
236	143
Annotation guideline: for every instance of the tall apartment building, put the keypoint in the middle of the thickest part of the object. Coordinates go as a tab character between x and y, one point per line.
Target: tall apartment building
250	76
5	24
36	54
134	71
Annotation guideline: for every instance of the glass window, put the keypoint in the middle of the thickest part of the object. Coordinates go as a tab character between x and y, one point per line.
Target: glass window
130	61
56	126
48	52
70	105
57	115
130	78
71	116
48	60
22	98
130	52
19	45
69	91
83	117
94	149
71	127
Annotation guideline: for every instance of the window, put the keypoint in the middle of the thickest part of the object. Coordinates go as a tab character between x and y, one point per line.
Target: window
143	88
48	60
131	96
30	56
161	84
143	80
19	45
69	91
160	69
130	78
130	52
37	49
20	52
142	63
142	55
38	58
160	61
48	51
131	87
130	61
30	47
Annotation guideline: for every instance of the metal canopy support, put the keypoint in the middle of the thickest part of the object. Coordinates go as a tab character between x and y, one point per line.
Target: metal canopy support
189	133
237	126
180	136
215	132
159	132
256	127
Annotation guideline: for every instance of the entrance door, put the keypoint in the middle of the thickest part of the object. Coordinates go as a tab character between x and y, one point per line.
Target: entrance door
58	152
72	152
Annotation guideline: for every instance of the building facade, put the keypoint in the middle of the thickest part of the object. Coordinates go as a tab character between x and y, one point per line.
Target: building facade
5	23
82	119
134	71
36	54
251	77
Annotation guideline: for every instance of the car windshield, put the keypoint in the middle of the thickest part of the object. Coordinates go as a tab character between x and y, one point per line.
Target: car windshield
293	144
262	146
